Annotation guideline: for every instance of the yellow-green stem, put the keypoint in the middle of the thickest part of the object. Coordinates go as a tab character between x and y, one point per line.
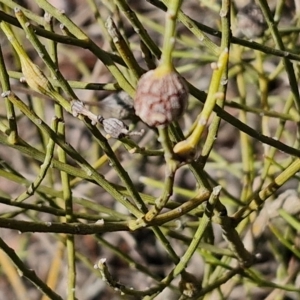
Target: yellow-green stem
170	30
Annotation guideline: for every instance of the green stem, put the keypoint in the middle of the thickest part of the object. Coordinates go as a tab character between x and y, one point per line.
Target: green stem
225	44
28	273
184	148
203	223
258	198
191	25
234	240
79	34
10	111
39	47
224	115
279	43
138	27
170	32
70	241
43	168
99	210
80	85
73	153
171	166
123	49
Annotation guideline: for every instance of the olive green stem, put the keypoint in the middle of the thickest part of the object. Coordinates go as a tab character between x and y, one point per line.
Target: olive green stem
159	184
148	57
100	210
33	75
203	223
219	281
70	241
43	168
170	32
171	167
10	111
71	151
65	178
115	163
96	11
258	198
80	85
263	112
182	209
138	27
28	273
39	47
234	241
190	25
246	147
67	228
252	275
279	43
123	48
79	34
276	230
134	148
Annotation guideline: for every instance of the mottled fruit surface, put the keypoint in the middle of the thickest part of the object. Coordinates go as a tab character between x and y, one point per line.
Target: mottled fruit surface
161	97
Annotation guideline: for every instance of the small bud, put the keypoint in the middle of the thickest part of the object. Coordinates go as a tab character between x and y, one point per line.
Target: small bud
251	22
113	127
161	97
78	108
116	128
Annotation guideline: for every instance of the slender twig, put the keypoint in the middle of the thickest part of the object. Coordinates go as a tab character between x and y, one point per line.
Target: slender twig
197	237
249	44
85	44
171	167
100	210
123	48
184	148
235	243
43	168
258	198
70	241
225	44
28	273
71	151
279	43
10	111
75	84
138	27
79	34
65	179
67	228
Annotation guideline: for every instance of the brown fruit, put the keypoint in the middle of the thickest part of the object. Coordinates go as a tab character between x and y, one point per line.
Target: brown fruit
161	97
